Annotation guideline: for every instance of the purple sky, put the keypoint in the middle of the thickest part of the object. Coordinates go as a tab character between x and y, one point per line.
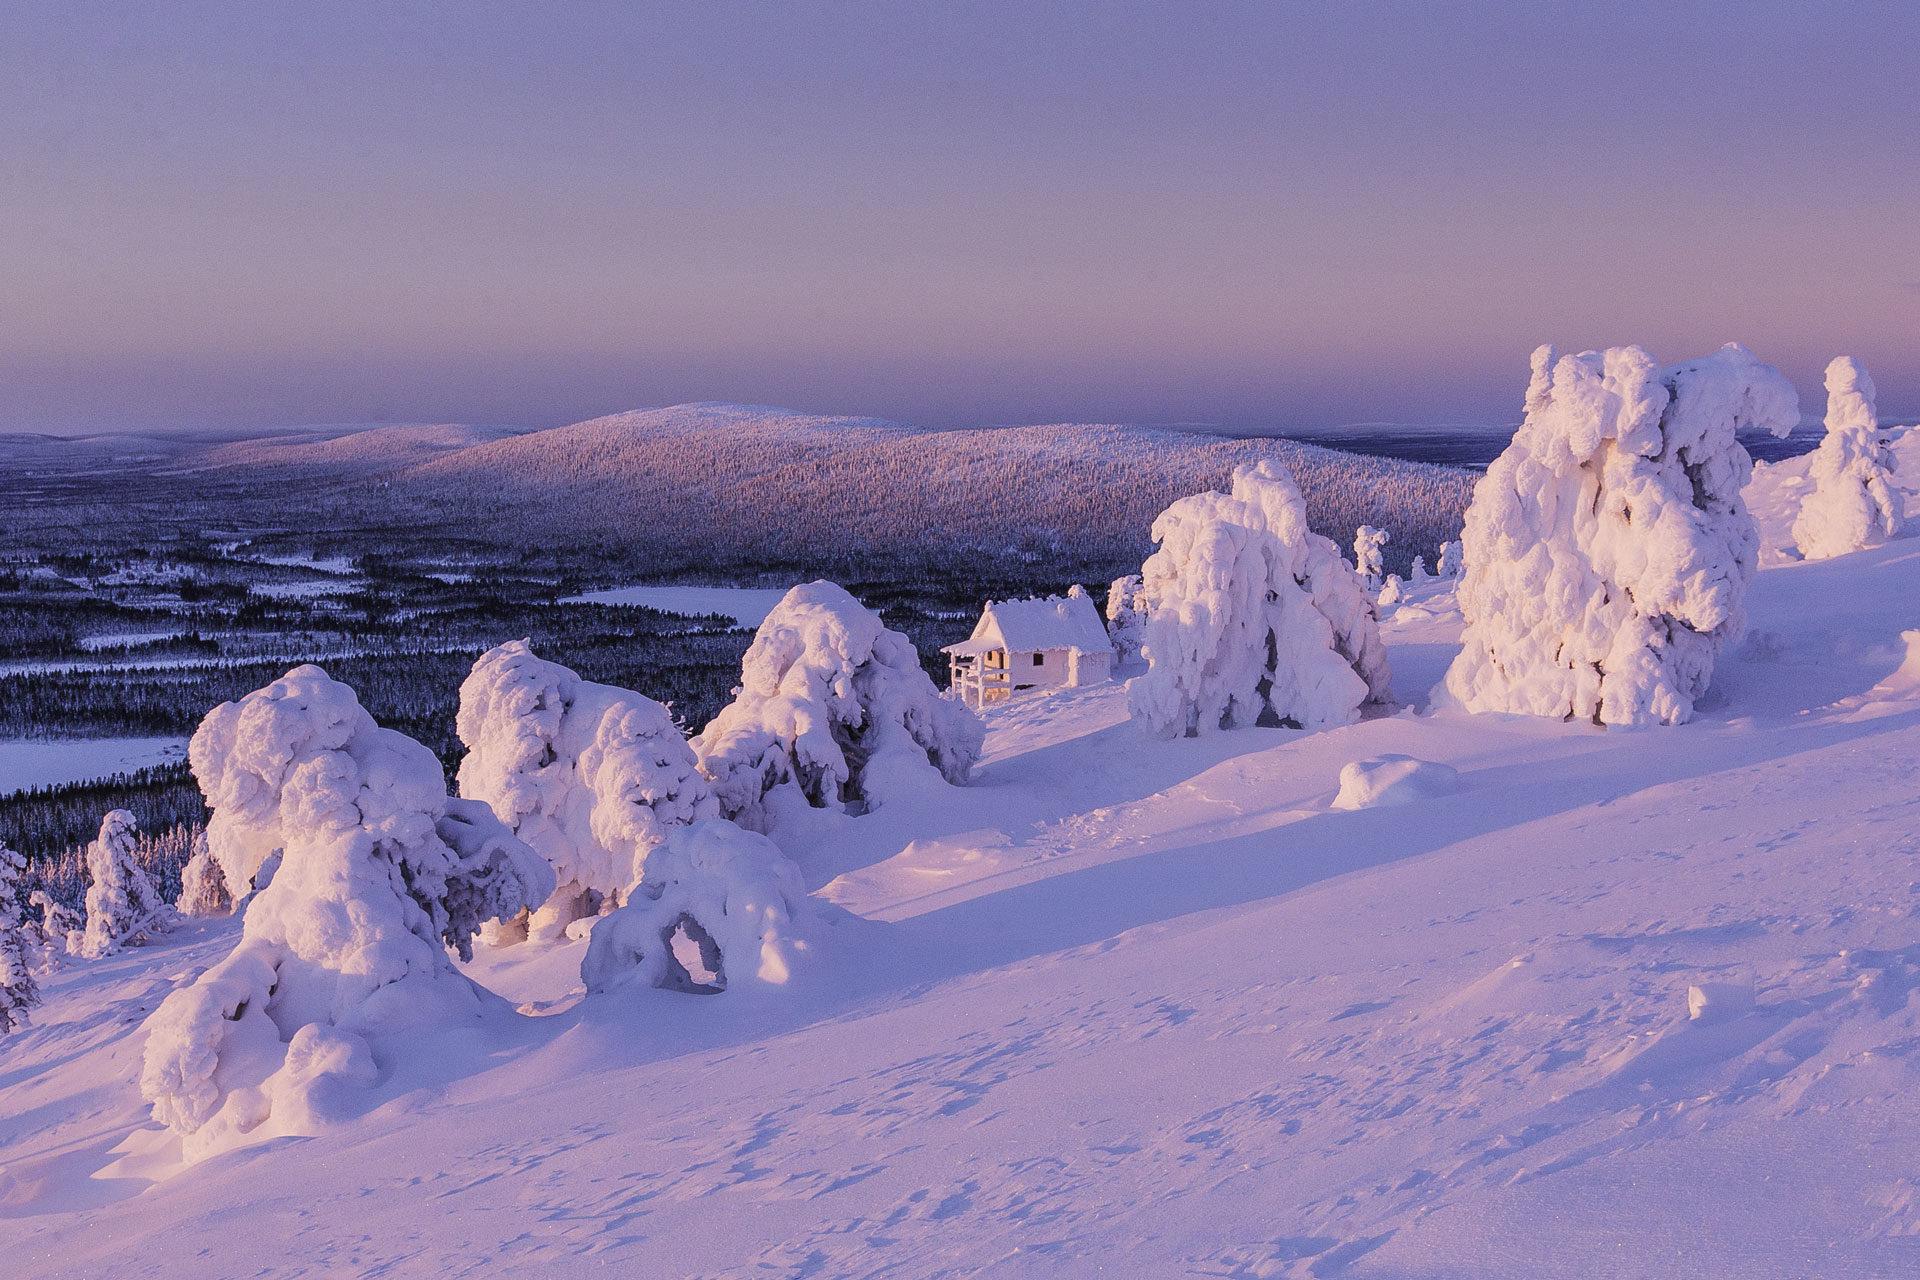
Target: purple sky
1278	214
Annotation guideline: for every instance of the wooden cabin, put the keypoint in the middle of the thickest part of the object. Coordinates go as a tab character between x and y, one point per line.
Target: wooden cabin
1019	645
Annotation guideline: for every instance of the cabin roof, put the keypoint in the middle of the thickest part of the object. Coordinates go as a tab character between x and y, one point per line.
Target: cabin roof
1021	626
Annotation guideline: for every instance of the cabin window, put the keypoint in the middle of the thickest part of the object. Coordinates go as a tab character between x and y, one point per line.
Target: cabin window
1039	659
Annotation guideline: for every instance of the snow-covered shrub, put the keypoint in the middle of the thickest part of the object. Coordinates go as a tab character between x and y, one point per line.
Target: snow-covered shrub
1452	559
122	904
1126	617
1608	550
379	874
1419	572
1853	503
18	991
203	886
1252	618
1369	551
833	712
61	929
726	894
1391	591
591	776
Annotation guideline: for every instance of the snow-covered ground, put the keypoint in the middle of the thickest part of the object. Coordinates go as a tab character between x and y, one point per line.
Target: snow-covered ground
1155	1008
48	762
747	606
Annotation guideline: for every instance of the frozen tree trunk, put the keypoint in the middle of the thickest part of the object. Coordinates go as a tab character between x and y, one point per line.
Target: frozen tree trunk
1252	618
379	874
591	776
122	904
1853	504
833	712
19	993
1608	551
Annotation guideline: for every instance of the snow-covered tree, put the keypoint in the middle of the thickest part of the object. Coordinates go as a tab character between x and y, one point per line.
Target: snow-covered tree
61	929
1126	617
1451	559
1391	591
1252	618
1853	503
833	712
379	874
1608	550
727	895
1419	572
203	886
122	904
18	991
1369	551
591	776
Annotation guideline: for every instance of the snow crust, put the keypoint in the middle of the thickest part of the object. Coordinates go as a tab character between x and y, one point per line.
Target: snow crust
1253	618
1853	503
833	712
591	776
1608	551
379	874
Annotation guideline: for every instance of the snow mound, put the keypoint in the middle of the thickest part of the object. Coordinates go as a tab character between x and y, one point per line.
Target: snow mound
728	894
1393	780
1252	618
1853	503
591	776
378	874
833	712
1608	551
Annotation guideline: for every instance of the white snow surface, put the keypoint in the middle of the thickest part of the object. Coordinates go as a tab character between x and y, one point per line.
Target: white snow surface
1145	1007
1608	550
1394	779
48	762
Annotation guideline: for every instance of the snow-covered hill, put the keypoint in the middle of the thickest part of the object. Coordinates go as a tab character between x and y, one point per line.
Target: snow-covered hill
736	478
1133	1007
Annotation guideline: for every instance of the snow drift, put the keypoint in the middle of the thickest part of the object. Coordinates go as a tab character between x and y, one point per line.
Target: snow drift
1608	551
591	776
1252	618
1853	503
833	712
379	874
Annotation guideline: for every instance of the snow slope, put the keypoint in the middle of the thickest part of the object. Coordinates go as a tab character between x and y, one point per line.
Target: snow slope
1148	1008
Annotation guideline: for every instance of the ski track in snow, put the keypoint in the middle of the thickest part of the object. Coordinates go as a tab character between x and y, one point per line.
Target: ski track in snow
1152	1008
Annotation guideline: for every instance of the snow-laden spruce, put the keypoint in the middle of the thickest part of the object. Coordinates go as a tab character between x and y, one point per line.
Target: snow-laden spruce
1608	550
203	886
1126	617
729	892
19	993
593	777
1369	552
1452	555
833	712
122	904
1252	618
379	874
1853	504
60	930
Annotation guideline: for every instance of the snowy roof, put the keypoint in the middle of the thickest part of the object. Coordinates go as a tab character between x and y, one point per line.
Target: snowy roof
1058	622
